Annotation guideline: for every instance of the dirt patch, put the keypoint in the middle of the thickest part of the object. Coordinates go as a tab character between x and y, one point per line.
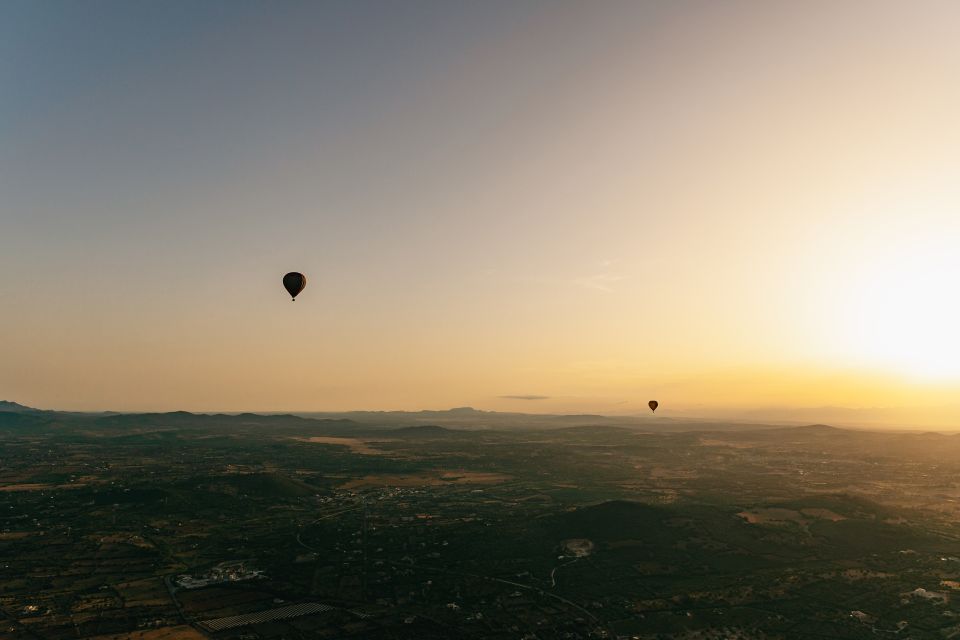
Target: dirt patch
423	480
179	632
28	486
773	515
823	514
577	547
133	540
779	515
355	445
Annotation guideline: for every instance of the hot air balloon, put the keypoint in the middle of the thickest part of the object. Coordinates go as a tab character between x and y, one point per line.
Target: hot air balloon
294	283
653	404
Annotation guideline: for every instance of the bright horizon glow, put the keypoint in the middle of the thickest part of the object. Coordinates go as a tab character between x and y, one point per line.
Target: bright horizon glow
732	207
910	319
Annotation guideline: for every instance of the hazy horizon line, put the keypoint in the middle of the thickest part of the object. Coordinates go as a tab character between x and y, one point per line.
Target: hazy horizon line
748	415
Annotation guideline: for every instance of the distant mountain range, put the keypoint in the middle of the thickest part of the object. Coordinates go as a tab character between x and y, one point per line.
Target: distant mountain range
14	407
13	414
474	419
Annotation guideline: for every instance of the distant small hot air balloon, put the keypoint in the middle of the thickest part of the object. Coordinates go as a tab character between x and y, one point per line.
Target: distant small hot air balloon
653	404
294	283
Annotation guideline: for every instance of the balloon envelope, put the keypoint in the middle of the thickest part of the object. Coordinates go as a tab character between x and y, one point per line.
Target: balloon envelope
294	283
653	404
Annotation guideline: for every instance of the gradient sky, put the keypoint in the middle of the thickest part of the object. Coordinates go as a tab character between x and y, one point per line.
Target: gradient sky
723	205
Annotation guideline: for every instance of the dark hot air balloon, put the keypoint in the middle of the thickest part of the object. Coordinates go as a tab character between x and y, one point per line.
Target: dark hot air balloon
294	283
653	404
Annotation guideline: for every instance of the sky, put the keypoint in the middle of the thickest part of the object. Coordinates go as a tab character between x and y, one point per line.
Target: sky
538	206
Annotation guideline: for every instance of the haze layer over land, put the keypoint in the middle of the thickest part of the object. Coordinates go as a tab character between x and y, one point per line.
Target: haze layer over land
540	207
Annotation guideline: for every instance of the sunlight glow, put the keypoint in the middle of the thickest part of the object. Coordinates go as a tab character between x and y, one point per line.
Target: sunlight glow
905	312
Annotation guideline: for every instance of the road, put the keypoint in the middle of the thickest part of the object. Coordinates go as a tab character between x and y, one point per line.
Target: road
168	583
327	516
553	574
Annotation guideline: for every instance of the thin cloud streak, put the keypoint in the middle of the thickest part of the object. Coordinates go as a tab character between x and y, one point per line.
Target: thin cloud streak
600	282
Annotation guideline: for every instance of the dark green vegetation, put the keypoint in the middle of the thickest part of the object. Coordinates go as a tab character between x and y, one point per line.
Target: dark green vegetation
429	526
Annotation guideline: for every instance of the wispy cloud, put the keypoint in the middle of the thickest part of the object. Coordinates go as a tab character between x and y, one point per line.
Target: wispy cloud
526	397
599	282
604	276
